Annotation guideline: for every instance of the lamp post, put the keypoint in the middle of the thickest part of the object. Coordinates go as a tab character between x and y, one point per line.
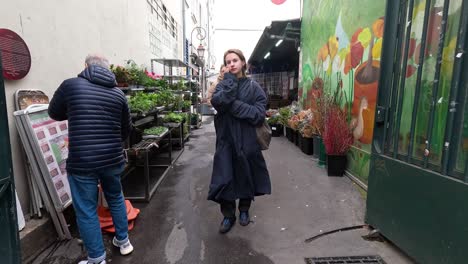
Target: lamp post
201	34
201	51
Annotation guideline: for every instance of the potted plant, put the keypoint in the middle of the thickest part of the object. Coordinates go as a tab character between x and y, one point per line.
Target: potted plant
142	103
276	127
195	120
121	75
186	105
337	138
155	132
173	119
293	123
321	105
307	132
285	114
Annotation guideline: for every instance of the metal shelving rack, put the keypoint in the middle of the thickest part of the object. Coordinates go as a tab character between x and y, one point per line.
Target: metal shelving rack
169	65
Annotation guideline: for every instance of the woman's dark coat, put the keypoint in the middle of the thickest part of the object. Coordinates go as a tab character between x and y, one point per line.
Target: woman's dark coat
239	169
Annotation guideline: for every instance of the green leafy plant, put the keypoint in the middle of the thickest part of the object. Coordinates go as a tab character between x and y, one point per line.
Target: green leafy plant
143	102
166	98
174	118
195	118
285	115
192	86
157	131
186	104
274	120
134	74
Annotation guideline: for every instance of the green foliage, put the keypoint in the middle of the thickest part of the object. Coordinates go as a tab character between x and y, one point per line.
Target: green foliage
192	86
178	86
143	102
157	131
166	98
174	118
284	115
186	104
195	98
274	120
195	118
133	74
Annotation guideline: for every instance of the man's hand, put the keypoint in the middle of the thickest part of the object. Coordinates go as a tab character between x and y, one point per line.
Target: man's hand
222	72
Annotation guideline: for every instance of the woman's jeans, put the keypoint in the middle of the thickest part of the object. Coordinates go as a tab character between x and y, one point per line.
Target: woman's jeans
84	192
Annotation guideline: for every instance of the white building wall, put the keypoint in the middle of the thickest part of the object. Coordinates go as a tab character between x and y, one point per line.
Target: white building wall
166	31
59	35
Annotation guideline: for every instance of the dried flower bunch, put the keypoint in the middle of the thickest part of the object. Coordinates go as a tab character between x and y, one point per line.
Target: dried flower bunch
337	135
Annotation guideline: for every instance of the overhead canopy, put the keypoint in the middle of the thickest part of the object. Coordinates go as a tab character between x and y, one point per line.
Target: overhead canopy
286	54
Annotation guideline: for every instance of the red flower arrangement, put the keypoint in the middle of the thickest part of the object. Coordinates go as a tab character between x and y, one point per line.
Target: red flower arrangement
337	136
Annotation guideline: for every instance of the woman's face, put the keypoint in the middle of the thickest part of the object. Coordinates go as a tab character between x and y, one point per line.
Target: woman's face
234	64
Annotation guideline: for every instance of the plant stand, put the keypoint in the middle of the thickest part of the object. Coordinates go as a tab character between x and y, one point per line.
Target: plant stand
143	188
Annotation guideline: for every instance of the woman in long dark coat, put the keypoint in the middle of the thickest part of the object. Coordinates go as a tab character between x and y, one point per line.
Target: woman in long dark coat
239	169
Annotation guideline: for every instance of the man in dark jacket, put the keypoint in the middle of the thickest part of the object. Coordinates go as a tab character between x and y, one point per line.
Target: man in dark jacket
98	122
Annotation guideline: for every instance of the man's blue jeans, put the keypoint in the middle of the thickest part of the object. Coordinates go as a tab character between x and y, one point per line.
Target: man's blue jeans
84	192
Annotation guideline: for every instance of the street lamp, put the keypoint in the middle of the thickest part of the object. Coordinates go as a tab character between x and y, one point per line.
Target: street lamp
201	34
201	51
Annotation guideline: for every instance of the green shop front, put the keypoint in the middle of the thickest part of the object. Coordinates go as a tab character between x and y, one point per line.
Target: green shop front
402	68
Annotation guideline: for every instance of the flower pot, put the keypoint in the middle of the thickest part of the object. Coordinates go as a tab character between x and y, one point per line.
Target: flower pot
289	134
316	146
336	165
296	137
276	130
322	154
307	145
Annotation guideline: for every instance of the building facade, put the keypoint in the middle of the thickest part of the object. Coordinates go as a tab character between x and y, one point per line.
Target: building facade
60	35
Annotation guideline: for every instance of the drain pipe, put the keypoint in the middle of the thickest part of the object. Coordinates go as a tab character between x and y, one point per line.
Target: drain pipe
184	38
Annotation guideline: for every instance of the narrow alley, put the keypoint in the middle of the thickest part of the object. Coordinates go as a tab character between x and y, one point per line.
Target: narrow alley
180	226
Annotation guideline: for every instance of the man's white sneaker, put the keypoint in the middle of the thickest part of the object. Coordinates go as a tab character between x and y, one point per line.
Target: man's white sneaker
125	249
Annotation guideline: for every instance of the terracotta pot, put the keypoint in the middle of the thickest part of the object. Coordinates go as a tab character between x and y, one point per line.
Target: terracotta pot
366	87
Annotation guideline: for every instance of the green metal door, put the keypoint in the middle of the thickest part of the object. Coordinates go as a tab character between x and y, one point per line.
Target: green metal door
9	238
418	184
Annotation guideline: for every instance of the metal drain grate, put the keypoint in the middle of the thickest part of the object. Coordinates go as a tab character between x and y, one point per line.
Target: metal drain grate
346	260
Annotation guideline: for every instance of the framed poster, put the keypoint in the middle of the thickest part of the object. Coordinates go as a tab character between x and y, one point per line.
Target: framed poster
45	142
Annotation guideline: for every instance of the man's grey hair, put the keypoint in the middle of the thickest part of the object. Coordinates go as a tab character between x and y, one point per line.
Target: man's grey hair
98	60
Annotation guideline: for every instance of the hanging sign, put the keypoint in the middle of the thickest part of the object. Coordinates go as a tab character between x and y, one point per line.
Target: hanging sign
278	2
16	59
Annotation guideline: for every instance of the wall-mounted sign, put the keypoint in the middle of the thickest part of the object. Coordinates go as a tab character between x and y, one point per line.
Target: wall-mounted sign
16	59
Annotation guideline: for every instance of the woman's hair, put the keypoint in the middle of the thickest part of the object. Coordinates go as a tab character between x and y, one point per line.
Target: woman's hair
241	56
